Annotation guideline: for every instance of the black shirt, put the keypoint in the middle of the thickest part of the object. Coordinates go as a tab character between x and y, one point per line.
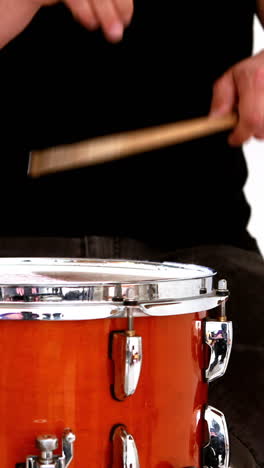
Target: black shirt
61	83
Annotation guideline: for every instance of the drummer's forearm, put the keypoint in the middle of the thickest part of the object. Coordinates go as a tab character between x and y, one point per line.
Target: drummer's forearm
260	11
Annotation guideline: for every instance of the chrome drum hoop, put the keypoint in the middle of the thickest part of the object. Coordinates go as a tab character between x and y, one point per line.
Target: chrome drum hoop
84	289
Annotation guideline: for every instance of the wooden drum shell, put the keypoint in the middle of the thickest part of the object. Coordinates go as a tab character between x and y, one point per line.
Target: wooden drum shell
59	374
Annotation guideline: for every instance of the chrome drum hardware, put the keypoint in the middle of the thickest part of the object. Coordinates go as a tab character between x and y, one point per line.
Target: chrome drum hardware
216	451
86	289
125	454
127	357
219	337
47	444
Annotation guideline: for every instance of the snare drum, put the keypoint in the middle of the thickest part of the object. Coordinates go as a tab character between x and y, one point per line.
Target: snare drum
115	355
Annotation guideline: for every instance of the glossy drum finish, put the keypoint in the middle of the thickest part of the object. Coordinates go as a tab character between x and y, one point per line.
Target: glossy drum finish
59	374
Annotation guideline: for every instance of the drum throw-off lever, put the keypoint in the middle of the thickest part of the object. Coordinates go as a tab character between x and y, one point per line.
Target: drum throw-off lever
218	335
47	444
127	356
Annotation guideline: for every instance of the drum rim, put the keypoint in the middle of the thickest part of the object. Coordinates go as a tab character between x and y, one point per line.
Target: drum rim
105	299
24	261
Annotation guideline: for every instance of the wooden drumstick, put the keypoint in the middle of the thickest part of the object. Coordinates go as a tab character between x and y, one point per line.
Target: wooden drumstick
117	146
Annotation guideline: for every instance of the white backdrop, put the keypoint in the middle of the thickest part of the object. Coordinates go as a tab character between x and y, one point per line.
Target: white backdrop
254	152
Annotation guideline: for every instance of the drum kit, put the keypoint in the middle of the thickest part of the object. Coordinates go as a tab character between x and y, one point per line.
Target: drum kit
107	363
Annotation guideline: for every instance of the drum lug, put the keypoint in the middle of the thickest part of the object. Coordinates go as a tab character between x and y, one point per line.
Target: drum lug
216	451
218	335
47	444
127	357
219	358
125	454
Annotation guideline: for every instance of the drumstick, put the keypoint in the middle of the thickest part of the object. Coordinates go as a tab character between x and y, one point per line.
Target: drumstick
117	146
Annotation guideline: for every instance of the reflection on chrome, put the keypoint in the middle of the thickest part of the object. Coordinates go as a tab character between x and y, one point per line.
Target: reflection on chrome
127	357
47	444
63	310
87	289
219	337
125	454
216	452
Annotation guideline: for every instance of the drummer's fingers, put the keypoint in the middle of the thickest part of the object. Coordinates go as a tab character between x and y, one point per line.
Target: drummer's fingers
250	86
110	17
224	95
125	10
83	11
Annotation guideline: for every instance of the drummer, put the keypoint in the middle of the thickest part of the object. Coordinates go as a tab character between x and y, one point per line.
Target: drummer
83	68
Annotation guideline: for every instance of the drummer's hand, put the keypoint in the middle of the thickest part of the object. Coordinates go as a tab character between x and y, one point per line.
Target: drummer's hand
241	89
112	16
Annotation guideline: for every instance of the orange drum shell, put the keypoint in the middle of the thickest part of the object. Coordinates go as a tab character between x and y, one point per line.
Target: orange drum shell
58	374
